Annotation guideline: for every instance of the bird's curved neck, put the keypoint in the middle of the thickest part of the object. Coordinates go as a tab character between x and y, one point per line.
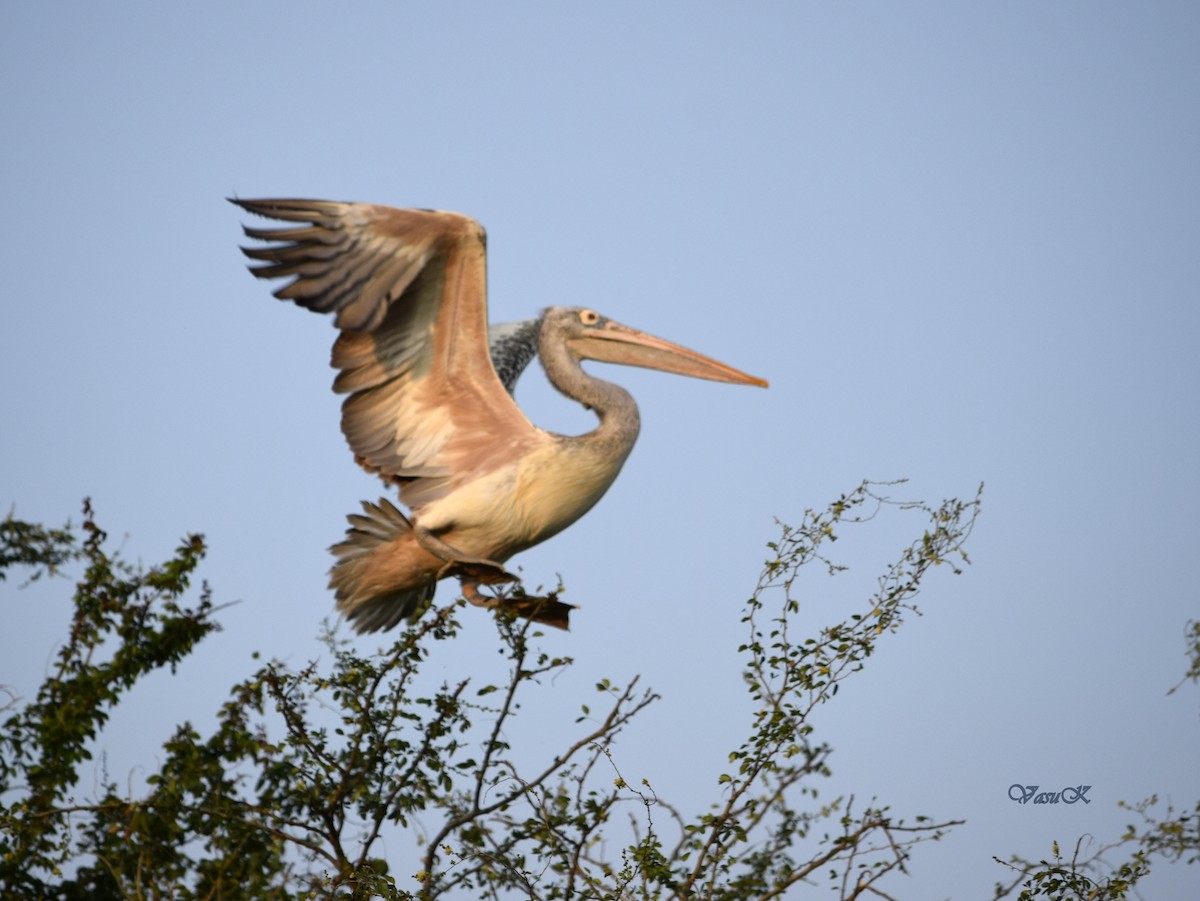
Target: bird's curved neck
619	419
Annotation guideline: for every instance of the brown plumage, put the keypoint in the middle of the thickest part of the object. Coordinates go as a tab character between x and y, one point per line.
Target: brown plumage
427	411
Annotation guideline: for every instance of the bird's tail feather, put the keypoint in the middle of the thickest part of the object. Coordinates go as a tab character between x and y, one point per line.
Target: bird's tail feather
374	589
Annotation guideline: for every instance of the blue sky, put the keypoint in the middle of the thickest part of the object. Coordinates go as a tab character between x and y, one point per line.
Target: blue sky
961	241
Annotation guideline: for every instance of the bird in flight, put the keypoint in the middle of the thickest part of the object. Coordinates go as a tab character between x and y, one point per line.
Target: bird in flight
430	407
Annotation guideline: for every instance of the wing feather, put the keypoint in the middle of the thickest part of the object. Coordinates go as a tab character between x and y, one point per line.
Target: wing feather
408	290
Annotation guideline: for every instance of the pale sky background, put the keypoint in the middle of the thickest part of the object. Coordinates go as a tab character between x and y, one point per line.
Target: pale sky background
962	241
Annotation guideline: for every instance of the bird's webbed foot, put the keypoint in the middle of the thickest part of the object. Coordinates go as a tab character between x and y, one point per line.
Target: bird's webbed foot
479	569
548	610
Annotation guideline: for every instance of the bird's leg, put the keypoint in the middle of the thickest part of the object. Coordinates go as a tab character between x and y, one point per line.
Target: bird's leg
548	610
480	569
472	594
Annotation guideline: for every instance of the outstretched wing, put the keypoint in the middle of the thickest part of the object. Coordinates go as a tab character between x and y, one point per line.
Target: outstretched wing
408	289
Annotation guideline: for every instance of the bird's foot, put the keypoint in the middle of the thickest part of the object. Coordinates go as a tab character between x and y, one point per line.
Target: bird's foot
548	610
478	569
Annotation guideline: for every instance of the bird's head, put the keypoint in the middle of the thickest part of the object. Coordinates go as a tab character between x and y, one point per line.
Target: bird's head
589	336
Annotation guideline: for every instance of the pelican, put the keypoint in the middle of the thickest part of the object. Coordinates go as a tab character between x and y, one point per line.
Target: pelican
430	407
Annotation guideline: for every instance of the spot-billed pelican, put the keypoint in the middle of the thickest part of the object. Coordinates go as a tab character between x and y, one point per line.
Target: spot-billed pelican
430	408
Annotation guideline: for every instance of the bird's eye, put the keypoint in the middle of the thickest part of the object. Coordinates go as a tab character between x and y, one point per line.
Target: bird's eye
589	317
